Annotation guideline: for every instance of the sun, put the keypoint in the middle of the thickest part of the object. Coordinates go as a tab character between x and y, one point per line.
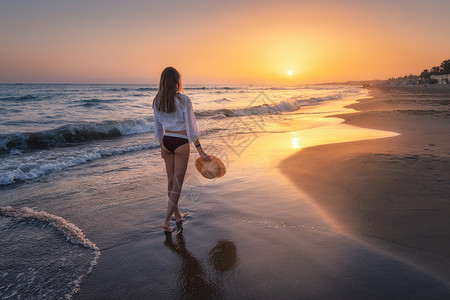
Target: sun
290	73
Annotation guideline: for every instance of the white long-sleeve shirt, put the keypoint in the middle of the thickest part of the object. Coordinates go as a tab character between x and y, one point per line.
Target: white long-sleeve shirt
182	119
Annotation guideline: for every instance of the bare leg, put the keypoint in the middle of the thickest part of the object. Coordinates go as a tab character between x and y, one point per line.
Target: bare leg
176	164
170	175
170	167
176	212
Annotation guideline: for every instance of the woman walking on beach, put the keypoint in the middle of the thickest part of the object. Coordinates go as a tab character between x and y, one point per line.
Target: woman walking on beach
175	128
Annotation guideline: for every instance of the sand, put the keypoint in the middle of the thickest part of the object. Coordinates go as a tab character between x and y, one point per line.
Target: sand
393	192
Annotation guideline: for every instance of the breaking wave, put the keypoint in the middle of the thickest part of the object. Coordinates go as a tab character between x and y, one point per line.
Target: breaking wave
263	106
73	134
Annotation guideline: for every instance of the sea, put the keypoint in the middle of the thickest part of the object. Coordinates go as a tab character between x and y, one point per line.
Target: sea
73	158
50	128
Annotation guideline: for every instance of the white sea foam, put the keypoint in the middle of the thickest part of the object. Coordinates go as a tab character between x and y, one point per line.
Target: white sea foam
72	233
263	104
293	104
137	126
31	166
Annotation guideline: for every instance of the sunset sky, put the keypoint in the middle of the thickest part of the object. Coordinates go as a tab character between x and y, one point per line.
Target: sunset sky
108	41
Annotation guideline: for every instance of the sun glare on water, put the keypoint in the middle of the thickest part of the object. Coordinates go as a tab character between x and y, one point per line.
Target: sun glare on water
295	143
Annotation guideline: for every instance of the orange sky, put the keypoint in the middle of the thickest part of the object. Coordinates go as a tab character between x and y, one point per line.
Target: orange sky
108	41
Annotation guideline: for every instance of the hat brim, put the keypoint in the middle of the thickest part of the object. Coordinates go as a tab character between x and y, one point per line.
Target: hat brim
211	169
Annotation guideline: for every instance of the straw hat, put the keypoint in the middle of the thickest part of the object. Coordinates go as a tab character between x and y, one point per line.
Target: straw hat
213	168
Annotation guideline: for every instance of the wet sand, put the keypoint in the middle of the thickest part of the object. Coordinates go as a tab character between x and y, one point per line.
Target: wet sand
256	238
392	193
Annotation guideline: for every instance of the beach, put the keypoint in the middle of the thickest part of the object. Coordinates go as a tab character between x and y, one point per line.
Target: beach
391	192
277	225
341	235
282	241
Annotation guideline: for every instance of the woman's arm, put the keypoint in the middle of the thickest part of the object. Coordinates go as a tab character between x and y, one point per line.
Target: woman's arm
190	120
199	148
192	129
158	128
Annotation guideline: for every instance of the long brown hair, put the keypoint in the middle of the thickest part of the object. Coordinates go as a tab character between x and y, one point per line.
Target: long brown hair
169	87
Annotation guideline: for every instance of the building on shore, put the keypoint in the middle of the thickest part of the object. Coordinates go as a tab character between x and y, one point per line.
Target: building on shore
441	79
403	82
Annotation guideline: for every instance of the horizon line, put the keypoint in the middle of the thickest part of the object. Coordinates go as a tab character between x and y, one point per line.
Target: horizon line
248	84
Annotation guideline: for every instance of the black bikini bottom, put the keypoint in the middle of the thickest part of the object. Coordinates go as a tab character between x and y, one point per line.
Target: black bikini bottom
172	142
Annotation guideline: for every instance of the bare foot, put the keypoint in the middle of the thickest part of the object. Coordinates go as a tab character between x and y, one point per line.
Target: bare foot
177	214
180	217
166	227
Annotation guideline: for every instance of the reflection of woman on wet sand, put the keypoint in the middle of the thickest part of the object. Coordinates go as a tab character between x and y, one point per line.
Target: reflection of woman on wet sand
194	283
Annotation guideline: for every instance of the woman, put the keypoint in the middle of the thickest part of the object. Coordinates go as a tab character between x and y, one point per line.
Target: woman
175	128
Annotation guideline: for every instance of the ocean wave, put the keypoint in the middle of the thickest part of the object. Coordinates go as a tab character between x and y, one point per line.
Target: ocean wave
263	106
28	167
192	88
67	135
128	89
98	102
118	90
222	100
228	88
20	98
71	232
216	113
147	89
91	102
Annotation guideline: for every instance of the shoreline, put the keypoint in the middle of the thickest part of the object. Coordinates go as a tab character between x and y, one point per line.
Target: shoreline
389	192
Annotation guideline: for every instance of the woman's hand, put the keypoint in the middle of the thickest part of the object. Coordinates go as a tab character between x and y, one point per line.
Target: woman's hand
205	156
202	153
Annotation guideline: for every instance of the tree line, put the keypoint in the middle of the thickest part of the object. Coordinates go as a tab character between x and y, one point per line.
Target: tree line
444	68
